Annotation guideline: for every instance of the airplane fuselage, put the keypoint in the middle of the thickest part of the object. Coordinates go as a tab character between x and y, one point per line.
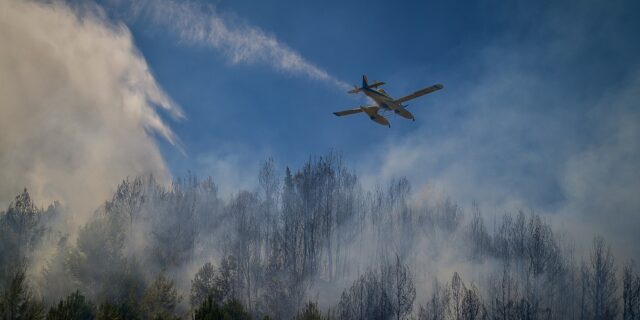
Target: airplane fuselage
385	102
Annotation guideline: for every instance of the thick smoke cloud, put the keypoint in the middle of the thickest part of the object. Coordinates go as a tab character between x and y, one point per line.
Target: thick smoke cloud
79	106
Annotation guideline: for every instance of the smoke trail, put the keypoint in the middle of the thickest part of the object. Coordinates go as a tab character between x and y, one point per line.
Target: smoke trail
201	24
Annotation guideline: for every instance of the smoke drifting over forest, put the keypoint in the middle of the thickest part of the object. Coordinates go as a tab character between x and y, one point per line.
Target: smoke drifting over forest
102	221
311	234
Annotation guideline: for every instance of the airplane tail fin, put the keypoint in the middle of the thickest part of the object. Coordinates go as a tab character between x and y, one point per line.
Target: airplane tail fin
365	85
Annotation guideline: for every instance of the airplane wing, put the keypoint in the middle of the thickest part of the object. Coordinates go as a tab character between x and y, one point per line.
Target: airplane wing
419	93
367	109
347	112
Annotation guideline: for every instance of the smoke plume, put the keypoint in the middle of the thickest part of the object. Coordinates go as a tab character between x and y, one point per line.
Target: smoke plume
79	106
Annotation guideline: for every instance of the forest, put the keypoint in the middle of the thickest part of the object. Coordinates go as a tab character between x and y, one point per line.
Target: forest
307	243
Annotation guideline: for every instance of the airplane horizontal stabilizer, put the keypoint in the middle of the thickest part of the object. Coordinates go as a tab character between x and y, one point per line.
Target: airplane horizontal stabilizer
374	85
354	90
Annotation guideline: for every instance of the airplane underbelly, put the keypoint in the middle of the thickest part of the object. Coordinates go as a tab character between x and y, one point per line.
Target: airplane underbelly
392	105
382	104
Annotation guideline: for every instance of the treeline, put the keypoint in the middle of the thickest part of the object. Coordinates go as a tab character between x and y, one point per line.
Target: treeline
158	302
309	243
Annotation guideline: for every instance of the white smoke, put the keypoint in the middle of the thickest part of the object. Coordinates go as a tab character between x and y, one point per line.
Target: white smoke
78	106
520	136
200	24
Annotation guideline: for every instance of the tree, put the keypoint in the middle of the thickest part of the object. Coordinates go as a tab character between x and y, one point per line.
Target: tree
479	238
504	296
111	311
228	279
400	287
21	231
436	308
73	307
210	310
108	311
454	302
584	284
18	302
472	305
22	215
57	281
248	245
174	224
100	243
128	199
204	285
366	299
458	291
269	184
161	298
630	293
310	312
601	281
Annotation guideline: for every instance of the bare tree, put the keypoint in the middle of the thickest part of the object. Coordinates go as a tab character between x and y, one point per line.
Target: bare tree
601	286
436	307
248	245
472	305
504	295
400	287
366	299
479	237
630	293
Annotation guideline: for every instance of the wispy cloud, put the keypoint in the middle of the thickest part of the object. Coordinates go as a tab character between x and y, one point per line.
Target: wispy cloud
201	24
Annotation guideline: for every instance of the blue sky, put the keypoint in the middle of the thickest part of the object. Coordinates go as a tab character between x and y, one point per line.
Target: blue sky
289	116
539	110
485	53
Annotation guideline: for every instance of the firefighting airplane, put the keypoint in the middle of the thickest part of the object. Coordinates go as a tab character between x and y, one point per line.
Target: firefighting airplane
384	102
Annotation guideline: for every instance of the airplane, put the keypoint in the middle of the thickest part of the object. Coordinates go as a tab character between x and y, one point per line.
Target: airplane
384	102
